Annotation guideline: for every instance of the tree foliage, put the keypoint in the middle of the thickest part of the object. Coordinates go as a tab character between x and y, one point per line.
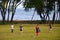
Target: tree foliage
10	6
44	8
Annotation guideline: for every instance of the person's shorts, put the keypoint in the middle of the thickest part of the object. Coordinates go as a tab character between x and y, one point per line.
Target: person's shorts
37	32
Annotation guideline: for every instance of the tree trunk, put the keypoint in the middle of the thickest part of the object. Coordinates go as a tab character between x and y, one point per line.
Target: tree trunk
4	19
59	15
8	11
3	12
12	15
53	20
13	10
8	16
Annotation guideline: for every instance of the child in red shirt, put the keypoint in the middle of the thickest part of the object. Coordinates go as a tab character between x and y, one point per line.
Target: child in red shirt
37	30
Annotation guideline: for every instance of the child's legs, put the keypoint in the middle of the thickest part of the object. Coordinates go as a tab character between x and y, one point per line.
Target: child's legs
11	30
21	31
37	33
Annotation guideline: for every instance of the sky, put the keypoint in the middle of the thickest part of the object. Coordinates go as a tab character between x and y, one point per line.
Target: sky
25	15
20	14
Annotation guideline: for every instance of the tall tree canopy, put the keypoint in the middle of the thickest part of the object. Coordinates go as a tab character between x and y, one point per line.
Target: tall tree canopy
10	6
43	8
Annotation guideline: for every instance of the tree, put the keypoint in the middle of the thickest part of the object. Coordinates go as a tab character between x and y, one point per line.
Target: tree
38	5
3	8
12	7
59	8
44	9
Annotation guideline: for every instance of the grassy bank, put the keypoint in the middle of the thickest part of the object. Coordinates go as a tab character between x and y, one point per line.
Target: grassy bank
29	32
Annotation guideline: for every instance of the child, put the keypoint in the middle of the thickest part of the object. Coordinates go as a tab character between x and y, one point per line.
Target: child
50	27
21	28
37	30
12	28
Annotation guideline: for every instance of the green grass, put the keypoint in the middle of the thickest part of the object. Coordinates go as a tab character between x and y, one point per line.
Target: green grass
29	32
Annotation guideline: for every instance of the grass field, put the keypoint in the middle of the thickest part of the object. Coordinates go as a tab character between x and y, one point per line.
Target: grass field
29	32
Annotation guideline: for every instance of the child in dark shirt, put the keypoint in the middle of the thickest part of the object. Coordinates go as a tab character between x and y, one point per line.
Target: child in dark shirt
21	28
